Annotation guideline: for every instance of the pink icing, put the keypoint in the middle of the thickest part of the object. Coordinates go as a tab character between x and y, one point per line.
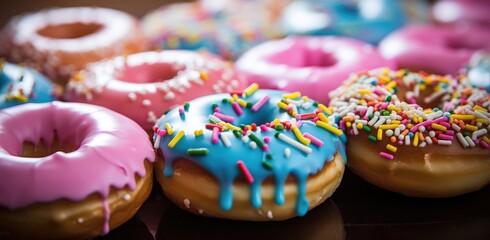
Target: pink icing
145	85
437	49
312	65
112	149
462	11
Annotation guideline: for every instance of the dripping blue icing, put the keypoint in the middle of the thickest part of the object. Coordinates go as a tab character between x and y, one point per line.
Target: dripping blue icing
221	160
11	73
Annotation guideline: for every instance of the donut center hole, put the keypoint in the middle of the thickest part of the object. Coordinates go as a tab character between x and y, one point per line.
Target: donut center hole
468	43
148	73
31	150
298	57
69	30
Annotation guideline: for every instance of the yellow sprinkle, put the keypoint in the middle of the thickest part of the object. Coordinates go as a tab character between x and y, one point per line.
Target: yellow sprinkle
386	71
415	140
380	135
293	114
348	124
242	102
391	85
471	127
276	121
384	79
305	98
176	139
203	75
428	80
78	77
394	108
396	122
198	132
231	100
329	127
400	73
359	125
421	119
299	136
231	126
438	127
481	120
478	107
464	117
322	117
328	110
361	102
251	89
169	129
282	105
427	111
409	125
391	148
438	88
485	138
235	96
443	79
422	87
292	95
388	126
364	91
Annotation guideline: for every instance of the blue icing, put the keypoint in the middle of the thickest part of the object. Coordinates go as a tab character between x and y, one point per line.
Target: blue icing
13	77
369	21
221	161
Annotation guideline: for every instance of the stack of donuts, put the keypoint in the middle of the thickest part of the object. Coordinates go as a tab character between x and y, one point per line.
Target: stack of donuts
240	116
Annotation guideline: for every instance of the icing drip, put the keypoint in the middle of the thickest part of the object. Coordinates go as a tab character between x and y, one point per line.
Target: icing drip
253	140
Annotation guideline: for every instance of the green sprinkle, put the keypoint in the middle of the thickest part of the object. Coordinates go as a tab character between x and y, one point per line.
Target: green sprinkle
466	134
224	100
186	106
315	104
267	164
276	134
385	113
366	128
268	156
279	127
197	151
388	98
243	126
256	140
237	133
214	106
249	105
395	89
372	138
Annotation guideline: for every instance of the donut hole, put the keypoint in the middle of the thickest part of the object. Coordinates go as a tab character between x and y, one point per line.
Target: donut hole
42	149
147	73
460	43
69	30
303	57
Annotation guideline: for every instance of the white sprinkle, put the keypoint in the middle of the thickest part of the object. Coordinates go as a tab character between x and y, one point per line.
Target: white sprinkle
253	145
456	127
444	142
287	152
356	132
379	122
389	133
214	119
422	129
422	145
462	140
146	102
470	142
373	121
132	96
294	143
397	131
226	140
127	197
187	203
80	220
432	134
479	133
269	215
245	139
169	96
407	139
200	211
428	140
402	127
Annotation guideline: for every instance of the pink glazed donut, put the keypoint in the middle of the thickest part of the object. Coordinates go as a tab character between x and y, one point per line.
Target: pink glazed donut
312	65
462	12
436	49
70	170
143	86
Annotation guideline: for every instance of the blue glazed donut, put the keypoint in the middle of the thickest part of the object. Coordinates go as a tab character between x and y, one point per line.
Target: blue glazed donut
226	28
244	156
367	20
19	85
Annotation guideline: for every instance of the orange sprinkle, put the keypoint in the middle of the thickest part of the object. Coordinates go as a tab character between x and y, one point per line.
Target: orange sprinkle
393	139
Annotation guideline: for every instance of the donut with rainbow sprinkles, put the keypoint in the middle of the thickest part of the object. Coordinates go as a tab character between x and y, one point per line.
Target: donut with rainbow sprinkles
417	134
259	155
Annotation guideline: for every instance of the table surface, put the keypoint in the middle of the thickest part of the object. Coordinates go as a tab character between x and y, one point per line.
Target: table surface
357	210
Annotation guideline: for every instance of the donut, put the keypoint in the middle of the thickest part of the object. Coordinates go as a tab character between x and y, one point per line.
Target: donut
70	170
365	20
435	49
244	156
19	85
142	86
462	12
59	41
417	134
312	65
226	28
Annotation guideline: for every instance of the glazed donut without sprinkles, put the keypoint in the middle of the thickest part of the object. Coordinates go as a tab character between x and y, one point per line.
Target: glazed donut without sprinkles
314	65
435	49
62	40
247	158
19	85
226	28
144	85
434	144
366	20
93	178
